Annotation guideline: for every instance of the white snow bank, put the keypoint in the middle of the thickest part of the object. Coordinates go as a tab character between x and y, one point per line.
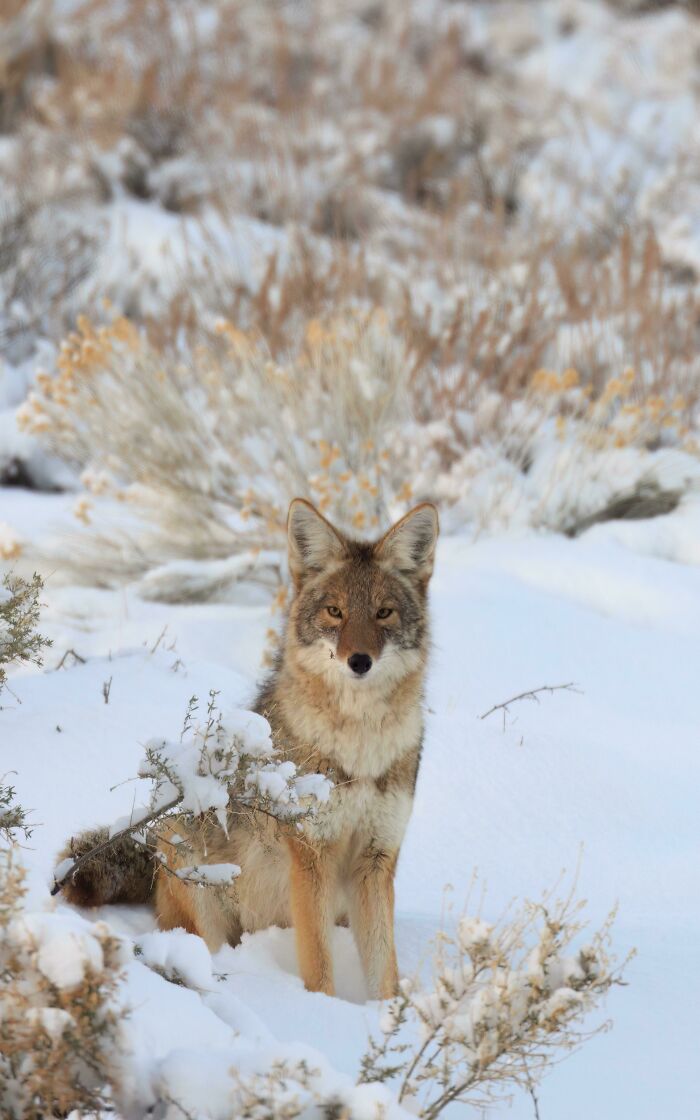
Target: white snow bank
177	955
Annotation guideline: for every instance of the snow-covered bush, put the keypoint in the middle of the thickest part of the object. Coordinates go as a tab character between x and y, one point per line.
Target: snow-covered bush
506	1002
19	617
59	1012
561	457
221	766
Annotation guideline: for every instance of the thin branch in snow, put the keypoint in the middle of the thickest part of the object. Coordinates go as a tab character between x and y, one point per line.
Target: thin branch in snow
531	694
69	653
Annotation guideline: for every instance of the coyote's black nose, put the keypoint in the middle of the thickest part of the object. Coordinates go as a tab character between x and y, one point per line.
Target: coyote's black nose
360	663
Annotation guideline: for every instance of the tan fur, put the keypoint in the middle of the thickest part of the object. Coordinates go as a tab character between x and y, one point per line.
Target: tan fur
313	875
365	732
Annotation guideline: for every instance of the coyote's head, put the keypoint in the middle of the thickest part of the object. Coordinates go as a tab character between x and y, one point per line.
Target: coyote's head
360	612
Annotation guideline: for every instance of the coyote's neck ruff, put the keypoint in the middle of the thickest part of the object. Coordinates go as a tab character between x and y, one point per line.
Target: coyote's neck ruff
344	698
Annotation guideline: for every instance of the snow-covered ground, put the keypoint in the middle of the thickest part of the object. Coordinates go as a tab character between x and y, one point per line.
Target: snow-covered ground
604	779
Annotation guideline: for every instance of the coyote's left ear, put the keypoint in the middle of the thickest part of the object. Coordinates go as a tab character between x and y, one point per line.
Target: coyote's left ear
410	543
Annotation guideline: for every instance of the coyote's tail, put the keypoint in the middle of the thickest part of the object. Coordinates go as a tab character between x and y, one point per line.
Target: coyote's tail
121	873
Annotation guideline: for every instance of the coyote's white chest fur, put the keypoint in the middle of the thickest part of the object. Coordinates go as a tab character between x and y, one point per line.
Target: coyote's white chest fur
363	735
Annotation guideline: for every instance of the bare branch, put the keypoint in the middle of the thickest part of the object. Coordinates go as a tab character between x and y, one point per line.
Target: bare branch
530	694
69	653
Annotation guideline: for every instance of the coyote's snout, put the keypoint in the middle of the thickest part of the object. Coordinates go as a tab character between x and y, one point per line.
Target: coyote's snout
344	698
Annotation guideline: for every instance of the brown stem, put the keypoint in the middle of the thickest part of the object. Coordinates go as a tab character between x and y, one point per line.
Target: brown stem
531	694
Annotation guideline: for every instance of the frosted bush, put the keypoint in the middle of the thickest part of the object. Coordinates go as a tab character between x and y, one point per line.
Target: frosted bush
60	1015
506	1001
220	766
561	458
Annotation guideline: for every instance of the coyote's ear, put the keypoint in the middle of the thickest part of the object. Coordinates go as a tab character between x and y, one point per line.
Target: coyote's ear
312	541
410	543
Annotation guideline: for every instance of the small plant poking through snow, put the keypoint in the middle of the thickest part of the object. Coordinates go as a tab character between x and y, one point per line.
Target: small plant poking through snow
60	1020
19	617
13	818
507	1001
220	767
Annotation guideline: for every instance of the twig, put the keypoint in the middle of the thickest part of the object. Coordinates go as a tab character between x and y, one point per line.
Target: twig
106	689
533	1095
73	654
11	691
159	639
531	694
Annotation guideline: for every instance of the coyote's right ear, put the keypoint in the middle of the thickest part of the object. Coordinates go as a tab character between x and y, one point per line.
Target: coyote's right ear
312	541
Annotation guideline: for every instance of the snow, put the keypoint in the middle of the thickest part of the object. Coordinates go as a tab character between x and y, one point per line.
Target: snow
602	780
178	955
147	252
64	946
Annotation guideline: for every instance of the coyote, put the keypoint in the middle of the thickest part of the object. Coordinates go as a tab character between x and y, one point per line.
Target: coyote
345	698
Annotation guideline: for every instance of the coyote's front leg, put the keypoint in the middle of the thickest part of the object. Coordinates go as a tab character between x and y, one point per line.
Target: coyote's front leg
372	919
312	891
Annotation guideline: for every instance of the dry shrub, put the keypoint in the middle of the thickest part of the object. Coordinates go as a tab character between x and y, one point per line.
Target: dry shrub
205	448
19	618
626	310
506	1002
208	454
27	51
60	1022
13	818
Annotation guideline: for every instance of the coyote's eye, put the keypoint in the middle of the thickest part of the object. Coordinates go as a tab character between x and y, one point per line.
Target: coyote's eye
335	612
384	612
